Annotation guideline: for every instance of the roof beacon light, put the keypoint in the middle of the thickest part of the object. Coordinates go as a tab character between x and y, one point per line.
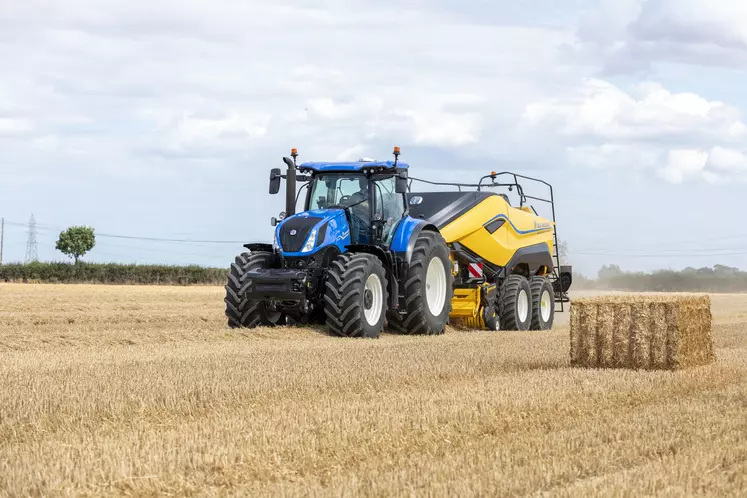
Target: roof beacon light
396	155
294	154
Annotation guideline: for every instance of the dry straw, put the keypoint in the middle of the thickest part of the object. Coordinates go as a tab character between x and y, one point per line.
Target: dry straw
652	332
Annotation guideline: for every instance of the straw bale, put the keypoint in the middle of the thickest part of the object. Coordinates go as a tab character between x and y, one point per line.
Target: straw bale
651	332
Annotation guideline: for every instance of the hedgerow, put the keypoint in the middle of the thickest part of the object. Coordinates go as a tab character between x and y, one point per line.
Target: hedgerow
110	273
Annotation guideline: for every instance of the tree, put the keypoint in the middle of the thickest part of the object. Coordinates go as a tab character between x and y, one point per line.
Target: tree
76	241
608	272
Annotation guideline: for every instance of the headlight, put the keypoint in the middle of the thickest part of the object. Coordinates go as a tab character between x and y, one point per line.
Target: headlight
310	242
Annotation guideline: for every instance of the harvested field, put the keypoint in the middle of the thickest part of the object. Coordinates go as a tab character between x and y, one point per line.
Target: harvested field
143	391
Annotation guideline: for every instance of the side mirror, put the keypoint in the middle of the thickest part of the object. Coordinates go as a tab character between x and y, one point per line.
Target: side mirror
400	185
275	176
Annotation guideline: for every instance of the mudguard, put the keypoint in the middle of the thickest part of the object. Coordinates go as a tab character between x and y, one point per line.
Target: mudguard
405	235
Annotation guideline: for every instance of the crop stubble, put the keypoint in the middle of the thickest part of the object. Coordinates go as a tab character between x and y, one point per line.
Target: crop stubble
142	390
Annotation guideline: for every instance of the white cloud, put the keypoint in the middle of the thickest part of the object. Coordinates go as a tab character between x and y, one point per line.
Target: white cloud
684	163
602	110
630	35
679	135
728	161
249	79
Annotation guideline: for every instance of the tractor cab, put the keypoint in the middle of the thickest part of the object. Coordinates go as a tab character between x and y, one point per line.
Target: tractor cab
347	203
369	199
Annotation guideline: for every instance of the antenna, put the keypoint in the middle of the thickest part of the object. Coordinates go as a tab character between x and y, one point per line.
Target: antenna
31	249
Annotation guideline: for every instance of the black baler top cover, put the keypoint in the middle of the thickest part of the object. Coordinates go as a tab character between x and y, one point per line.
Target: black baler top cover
441	208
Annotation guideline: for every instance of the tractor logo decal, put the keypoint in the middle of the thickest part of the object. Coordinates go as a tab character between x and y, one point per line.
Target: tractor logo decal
343	235
293	232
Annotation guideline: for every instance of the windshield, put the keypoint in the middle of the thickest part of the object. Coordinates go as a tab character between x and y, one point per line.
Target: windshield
348	190
337	189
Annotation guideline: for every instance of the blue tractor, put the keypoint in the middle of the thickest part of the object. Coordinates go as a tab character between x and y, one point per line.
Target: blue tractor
354	258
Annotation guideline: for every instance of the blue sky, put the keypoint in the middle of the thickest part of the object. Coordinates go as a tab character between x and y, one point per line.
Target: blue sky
162	119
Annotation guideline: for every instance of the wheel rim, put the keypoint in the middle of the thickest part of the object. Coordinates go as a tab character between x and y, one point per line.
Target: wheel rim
435	286
545	306
373	299
522	305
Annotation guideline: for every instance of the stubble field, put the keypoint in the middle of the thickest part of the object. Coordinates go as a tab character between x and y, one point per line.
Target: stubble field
142	390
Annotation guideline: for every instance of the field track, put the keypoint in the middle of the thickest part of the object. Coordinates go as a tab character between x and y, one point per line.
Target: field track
142	391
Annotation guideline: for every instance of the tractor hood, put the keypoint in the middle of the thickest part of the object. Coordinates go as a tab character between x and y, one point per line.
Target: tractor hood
305	233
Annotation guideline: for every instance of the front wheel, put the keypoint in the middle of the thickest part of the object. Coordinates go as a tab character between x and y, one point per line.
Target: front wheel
240	311
356	296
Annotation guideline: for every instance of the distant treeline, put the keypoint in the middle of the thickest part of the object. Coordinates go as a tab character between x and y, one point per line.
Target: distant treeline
67	273
718	278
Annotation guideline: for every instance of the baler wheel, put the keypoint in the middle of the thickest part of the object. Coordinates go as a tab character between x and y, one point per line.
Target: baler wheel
543	303
516	303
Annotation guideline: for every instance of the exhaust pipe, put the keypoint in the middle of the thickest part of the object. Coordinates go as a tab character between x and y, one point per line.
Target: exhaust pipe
290	185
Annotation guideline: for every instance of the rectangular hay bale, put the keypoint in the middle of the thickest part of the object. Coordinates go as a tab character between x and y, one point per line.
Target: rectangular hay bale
647	332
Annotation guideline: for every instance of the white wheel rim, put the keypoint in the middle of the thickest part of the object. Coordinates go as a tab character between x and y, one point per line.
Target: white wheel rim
373	285
522	306
545	306
435	286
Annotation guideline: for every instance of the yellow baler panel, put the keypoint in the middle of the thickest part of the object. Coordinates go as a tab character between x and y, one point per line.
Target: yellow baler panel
522	228
475	218
465	303
528	229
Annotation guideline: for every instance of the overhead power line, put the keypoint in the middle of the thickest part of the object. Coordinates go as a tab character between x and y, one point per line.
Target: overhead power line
134	237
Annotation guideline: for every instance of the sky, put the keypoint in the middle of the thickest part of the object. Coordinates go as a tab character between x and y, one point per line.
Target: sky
162	119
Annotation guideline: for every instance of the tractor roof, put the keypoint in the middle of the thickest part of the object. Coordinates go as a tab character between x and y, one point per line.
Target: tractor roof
351	166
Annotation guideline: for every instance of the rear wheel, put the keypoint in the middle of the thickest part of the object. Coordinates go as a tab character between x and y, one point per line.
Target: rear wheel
428	286
543	304
355	296
516	303
242	312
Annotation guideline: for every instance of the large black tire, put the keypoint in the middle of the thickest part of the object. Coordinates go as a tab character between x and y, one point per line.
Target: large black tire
515	289
242	312
541	286
419	318
395	322
347	298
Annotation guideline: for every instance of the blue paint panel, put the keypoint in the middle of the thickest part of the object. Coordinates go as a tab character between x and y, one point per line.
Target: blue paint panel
350	166
520	232
338	231
404	232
